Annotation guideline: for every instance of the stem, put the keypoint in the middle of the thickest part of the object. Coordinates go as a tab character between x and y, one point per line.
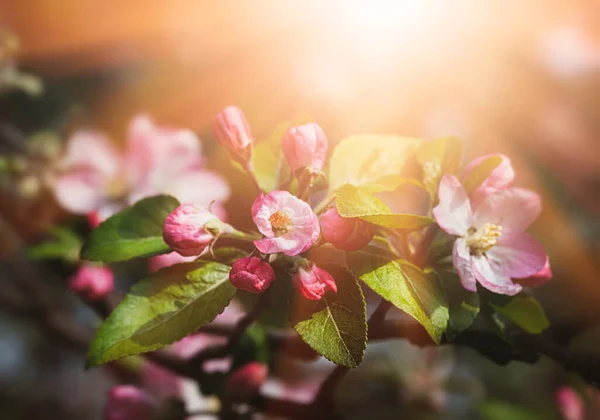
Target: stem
244	236
324	203
249	169
422	250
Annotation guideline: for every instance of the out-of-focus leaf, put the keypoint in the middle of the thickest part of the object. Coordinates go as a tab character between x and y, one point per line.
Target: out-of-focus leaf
502	410
161	309
480	173
373	161
335	326
463	304
524	311
64	245
352	201
134	232
437	158
416	292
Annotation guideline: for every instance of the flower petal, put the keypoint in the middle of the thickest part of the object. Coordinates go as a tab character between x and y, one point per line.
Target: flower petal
518	256
514	209
453	213
80	191
461	258
93	151
501	177
493	280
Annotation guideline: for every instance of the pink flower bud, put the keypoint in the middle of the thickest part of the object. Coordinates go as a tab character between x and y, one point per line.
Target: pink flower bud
305	146
126	402
314	282
251	274
232	130
93	282
186	231
94	219
570	404
347	234
539	278
245	382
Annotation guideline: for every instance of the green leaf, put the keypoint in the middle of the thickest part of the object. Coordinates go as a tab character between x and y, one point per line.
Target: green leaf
352	201
524	311
335	326
437	158
480	173
161	309
463	304
370	160
134	232
65	244
502	410
416	292
225	255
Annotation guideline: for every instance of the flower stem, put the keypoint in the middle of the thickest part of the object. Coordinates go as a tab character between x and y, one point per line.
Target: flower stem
324	203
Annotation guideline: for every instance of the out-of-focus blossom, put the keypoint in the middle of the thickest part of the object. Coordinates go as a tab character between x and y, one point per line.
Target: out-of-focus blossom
126	402
92	281
500	178
245	382
252	274
305	146
190	228
568	51
314	282
288	223
233	132
493	246
167	260
570	404
348	234
97	179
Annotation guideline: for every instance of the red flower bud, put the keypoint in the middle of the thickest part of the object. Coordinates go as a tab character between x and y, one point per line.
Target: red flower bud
233	132
93	282
305	146
251	274
185	229
245	382
126	402
347	234
314	282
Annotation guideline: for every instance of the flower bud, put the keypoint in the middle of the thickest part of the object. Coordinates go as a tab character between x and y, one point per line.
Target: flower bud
187	231
570	404
314	282
245	382
126	402
347	234
251	274
93	282
232	130
539	278
305	146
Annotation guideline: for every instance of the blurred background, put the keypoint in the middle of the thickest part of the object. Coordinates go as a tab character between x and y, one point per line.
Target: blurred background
522	78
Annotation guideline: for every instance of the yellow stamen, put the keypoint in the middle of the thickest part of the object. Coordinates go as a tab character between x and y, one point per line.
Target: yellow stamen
483	239
279	222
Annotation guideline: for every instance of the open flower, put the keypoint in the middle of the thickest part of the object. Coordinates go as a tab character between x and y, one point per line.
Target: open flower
288	223
493	246
96	179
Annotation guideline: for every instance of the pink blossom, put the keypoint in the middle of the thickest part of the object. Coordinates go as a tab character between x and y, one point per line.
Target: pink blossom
570	404
167	260
190	229
288	223
96	178
92	281
500	178
314	282
246	381
493	246
305	146
251	274
126	402
233	132
539	278
348	234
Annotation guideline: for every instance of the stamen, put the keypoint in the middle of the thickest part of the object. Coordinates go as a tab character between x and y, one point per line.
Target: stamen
483	239
279	222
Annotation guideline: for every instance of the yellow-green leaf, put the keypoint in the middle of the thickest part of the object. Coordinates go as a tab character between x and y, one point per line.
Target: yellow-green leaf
480	173
524	311
437	158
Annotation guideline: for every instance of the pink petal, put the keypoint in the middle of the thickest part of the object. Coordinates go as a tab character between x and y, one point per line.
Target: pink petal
453	213
93	151
539	278
461	258
289	246
501	177
570	404
514	209
519	256
81	191
264	206
492	279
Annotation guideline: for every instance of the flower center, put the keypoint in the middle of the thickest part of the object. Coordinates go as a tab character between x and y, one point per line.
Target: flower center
279	222
117	188
483	239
